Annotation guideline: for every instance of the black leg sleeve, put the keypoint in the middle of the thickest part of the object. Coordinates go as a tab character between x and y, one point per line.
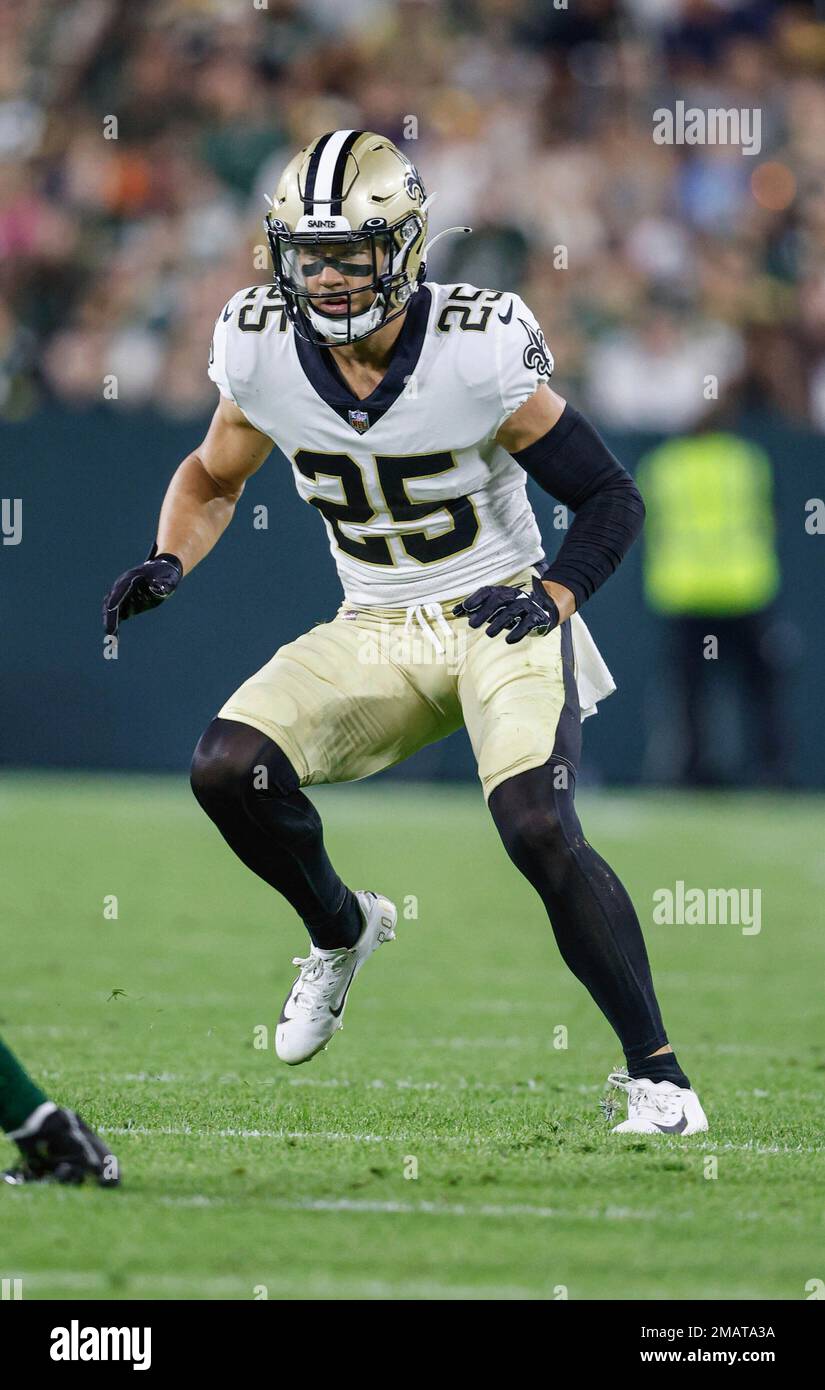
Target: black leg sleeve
248	787
593	919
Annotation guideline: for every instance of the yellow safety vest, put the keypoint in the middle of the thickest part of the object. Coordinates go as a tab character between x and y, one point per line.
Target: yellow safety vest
710	534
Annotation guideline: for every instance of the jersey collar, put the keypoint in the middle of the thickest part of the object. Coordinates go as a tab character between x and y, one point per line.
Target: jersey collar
320	370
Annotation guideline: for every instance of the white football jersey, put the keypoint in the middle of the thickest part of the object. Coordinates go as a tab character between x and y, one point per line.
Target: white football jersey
419	502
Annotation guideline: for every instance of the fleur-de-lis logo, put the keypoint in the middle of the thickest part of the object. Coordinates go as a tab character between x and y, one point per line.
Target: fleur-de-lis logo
413	185
537	354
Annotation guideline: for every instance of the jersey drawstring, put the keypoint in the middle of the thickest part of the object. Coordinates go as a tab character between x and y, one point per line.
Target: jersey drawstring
425	614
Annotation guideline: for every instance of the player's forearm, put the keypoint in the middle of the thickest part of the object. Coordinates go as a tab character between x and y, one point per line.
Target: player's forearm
603	530
573	463
563	598
196	511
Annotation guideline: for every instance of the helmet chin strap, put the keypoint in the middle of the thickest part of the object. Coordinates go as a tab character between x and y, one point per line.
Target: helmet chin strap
349	327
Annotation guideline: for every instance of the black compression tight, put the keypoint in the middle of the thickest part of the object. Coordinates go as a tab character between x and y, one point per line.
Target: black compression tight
593	919
248	787
250	790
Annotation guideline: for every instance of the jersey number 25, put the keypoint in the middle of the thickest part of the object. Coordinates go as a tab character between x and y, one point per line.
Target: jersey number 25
393	473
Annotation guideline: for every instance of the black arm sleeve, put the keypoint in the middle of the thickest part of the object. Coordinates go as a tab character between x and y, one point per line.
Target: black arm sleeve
573	464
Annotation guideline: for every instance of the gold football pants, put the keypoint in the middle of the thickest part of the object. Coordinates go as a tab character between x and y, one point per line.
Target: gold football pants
364	691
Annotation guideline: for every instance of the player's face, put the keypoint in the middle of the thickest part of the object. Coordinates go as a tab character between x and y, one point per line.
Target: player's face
330	270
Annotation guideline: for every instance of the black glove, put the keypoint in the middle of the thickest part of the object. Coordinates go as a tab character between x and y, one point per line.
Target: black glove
140	589
516	609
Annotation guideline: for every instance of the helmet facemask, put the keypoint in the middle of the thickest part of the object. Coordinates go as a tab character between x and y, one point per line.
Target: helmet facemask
370	262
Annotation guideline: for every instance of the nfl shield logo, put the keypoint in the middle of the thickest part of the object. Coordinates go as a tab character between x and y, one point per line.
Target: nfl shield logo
360	420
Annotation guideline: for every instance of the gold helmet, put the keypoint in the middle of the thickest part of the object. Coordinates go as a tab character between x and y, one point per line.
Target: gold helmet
353	188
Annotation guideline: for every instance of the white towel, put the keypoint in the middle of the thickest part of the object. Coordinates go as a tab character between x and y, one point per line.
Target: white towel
593	679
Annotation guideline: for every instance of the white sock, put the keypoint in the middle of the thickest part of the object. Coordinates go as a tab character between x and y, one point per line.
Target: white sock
35	1120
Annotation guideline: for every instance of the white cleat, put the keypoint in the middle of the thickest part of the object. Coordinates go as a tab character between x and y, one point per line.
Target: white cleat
314	1007
656	1107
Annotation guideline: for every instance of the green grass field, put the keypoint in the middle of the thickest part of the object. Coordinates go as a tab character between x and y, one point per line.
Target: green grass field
241	1173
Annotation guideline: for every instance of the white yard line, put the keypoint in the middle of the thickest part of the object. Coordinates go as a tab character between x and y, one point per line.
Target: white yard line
365	1206
343	1137
188	1131
293	1287
549	1087
763	1150
370	1207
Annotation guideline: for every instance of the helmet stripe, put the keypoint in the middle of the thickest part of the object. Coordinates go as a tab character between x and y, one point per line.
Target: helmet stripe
312	171
339	172
322	189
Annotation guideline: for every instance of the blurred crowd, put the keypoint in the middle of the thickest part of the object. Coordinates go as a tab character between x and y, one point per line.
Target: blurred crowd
138	141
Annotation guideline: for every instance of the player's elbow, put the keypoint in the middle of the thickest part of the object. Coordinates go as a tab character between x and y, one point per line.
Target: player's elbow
634	503
221	488
627	510
620	496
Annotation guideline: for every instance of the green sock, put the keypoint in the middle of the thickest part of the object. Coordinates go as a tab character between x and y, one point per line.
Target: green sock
18	1094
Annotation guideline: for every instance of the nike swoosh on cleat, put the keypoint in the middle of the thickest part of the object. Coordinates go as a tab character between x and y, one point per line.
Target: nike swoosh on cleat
285	1017
336	1013
673	1129
505	318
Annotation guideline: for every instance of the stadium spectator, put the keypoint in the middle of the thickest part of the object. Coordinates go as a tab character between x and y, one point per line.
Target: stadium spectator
533	124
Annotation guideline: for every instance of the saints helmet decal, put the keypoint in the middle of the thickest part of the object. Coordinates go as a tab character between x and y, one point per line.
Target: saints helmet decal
414	186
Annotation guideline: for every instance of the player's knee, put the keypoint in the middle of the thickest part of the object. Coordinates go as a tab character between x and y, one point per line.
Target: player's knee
212	779
221	764
233	762
542	850
536	833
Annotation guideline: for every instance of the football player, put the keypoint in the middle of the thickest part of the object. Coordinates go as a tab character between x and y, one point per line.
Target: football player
412	414
55	1145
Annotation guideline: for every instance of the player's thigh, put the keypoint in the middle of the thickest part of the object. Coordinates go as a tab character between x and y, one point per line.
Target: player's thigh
520	703
336	715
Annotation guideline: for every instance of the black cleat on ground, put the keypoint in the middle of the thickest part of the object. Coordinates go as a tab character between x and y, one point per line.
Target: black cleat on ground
65	1150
